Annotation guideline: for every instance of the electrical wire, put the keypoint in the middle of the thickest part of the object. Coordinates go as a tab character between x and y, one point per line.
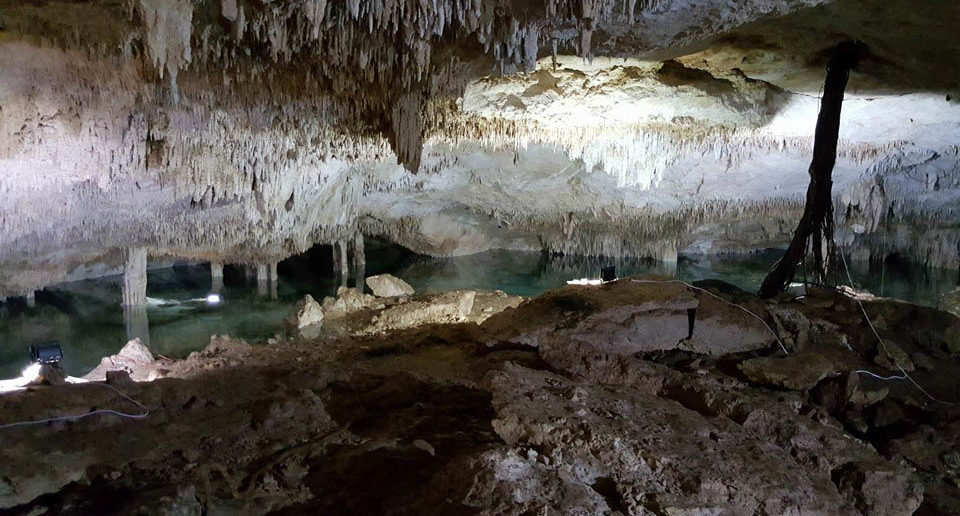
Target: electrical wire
145	412
883	346
757	317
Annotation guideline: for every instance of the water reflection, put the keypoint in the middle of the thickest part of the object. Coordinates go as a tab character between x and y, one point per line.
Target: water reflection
137	323
86	317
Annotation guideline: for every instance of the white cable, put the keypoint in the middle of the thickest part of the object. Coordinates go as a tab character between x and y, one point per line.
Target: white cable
782	347
142	415
877	335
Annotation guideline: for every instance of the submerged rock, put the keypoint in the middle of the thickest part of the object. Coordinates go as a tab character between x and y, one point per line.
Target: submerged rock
386	285
135	358
306	318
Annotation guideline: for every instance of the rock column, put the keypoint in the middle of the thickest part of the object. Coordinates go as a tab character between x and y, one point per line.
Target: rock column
359	261
263	279
135	277
137	324
216	277
335	248
31	299
344	263
273	280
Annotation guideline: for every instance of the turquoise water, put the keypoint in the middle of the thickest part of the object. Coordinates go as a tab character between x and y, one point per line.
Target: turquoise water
85	316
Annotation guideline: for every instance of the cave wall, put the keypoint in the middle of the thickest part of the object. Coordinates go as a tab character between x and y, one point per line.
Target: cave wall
242	132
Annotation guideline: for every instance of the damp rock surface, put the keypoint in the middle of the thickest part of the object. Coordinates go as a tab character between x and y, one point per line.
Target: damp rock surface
480	422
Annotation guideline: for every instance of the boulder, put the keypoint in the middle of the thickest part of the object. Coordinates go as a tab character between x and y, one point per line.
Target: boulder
890	355
799	371
135	358
348	301
386	285
306	318
450	307
792	325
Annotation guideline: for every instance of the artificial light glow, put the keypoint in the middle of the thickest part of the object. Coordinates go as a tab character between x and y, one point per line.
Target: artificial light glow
31	372
28	376
213	299
585	281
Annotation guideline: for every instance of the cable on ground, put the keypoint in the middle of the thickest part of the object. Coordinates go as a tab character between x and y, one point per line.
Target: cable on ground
757	317
143	414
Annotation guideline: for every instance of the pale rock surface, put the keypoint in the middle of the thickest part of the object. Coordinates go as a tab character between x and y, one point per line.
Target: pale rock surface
135	358
348	301
446	308
306	318
387	285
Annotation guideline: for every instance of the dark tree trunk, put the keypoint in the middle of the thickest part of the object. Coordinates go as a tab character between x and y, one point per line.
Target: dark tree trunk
816	225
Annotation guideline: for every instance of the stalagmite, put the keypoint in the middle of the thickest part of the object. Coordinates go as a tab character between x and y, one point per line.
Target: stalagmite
135	277
31	299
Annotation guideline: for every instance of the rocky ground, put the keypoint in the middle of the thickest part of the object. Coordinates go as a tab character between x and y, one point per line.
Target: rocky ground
627	398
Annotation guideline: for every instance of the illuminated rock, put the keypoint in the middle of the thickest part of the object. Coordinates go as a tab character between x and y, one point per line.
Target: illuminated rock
386	285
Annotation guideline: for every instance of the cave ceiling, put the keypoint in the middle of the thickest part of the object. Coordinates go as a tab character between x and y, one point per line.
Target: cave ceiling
247	131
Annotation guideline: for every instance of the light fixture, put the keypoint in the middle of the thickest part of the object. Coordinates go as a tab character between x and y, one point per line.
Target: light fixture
46	353
608	273
213	299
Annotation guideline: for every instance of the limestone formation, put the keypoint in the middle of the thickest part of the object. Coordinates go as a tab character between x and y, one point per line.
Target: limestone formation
202	133
450	307
386	285
801	371
306	318
135	358
348	301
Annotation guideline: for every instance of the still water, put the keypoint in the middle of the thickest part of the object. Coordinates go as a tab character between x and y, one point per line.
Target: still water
85	316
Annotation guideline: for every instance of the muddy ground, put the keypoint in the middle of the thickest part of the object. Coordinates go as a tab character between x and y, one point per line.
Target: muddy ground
586	400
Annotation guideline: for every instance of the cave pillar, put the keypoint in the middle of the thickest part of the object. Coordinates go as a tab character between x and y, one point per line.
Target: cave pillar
263	279
335	249
137	324
274	279
669	255
135	277
31	298
359	261
216	277
344	263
